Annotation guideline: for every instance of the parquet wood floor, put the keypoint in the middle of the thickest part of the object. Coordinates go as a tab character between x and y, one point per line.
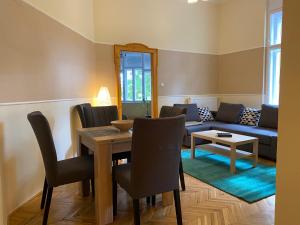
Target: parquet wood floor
201	205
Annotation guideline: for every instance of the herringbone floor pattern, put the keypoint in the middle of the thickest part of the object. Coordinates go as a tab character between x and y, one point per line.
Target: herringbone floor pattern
201	205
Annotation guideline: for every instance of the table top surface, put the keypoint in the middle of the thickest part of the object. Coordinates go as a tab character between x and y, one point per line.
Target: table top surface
212	136
104	134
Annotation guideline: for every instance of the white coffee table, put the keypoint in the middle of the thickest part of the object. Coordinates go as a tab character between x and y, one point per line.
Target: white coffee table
232	152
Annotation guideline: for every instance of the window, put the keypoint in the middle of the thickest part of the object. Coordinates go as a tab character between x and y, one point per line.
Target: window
135	76
274	56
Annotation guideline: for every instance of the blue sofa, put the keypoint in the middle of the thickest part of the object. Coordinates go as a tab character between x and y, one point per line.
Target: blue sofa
266	131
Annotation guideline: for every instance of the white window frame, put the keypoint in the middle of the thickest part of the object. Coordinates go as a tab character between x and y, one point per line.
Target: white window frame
269	48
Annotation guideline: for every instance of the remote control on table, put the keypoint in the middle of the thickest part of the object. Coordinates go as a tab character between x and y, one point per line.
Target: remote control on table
224	134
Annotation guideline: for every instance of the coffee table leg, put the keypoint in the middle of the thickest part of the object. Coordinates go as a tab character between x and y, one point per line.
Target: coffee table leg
192	147
232	159
255	152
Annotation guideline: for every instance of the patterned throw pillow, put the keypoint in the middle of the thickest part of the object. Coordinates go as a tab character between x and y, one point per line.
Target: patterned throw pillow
205	114
250	116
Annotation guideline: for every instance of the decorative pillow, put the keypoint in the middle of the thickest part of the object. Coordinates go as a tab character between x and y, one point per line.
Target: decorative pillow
269	116
229	113
191	111
205	114
250	116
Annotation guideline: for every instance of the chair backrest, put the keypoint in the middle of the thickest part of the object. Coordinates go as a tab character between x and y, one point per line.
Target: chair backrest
84	114
103	115
171	111
43	134
155	154
96	116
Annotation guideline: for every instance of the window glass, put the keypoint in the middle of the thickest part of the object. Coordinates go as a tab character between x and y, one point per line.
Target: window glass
147	61
129	85
275	55
132	59
138	76
147	85
122	86
135	76
275	28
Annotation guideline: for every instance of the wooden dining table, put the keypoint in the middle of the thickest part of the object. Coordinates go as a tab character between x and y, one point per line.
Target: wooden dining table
103	142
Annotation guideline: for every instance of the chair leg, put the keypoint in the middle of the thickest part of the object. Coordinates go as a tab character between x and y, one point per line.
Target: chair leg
136	208
129	159
182	182
45	189
47	206
153	197
148	200
115	196
93	187
115	162
177	206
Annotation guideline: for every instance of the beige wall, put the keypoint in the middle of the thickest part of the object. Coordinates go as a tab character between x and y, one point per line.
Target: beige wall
288	167
187	73
40	59
242	25
75	14
241	72
167	24
106	67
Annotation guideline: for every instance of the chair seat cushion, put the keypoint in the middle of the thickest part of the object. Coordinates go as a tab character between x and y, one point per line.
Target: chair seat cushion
74	170
122	175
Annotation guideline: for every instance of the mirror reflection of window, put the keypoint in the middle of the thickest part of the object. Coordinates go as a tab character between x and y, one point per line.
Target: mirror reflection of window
135	76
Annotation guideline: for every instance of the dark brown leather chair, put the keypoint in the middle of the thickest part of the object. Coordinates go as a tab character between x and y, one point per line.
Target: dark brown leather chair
153	140
171	111
97	117
57	172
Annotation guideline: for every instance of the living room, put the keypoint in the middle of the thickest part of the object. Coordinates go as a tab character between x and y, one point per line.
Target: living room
57	54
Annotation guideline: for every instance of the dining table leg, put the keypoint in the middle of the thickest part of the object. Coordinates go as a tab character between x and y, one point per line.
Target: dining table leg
103	183
81	151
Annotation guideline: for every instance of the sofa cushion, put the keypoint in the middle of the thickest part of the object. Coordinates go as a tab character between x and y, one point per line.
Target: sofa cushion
250	116
266	136
205	114
269	117
191	111
229	113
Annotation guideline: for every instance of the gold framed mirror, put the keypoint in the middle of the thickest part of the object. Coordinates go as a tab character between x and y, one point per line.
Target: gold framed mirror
119	52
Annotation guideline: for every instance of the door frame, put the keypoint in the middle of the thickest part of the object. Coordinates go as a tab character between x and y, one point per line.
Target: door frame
138	47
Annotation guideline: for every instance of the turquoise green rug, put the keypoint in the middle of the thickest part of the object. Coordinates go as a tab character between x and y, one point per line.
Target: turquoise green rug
250	184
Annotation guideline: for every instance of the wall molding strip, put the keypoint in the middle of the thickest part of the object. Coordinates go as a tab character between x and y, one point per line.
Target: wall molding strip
43	101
